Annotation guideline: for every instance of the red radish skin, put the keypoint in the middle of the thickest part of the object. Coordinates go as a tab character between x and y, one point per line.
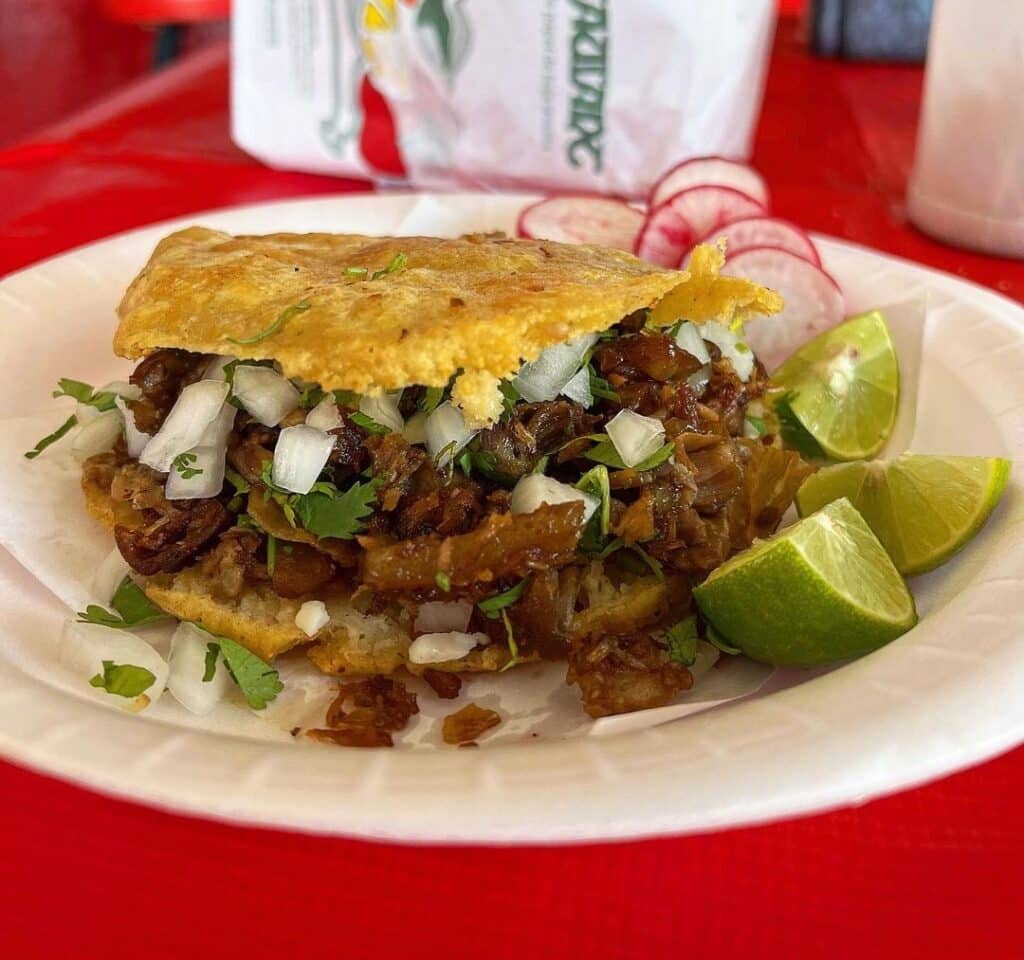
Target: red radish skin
582	218
813	300
672	228
709	171
762	232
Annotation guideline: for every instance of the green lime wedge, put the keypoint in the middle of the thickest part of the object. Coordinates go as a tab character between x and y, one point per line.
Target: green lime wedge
822	590
843	387
923	508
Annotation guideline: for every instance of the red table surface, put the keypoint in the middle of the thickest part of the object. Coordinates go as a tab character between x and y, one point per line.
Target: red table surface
930	872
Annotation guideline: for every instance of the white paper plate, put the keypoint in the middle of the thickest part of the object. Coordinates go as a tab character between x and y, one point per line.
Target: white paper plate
943	696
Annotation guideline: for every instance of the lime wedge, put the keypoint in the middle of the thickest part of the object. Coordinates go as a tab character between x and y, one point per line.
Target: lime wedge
923	508
823	589
843	387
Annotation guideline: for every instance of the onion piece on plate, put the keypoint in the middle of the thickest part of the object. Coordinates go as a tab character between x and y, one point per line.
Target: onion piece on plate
534	490
443	616
674	226
97	436
198	475
762	232
714	171
446	433
325	415
312	617
442	647
197	406
582	218
190	647
109	576
813	301
634	436
84	647
547	376
135	440
266	395
299	457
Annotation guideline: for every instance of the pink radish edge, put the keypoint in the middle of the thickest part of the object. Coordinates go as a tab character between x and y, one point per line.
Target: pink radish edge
807	249
713	158
523	231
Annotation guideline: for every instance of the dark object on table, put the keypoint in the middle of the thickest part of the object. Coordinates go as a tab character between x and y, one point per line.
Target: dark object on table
871	29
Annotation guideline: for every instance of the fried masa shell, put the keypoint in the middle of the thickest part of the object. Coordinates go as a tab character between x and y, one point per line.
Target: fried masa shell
478	304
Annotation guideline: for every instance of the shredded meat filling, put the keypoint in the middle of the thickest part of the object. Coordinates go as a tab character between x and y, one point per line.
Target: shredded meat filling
174	538
161	377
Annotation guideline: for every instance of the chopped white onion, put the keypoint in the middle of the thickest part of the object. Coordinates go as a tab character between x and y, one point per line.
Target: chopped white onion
578	388
535	489
301	453
325	415
204	467
134	438
122	388
546	377
689	339
698	380
109	576
440	616
196	407
634	436
218	429
84	647
97	436
415	429
189	647
312	617
86	413
383	410
215	368
447	433
266	395
441	647
731	346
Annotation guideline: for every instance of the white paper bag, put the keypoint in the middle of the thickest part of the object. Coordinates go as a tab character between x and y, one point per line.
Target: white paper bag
593	95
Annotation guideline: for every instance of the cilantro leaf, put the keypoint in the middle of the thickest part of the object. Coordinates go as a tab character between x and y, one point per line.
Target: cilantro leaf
369	424
123	679
258	681
284	316
682	642
134	609
182	463
431	399
637	560
600	387
604	452
492	607
76	389
510	396
398	262
51	438
757	424
443	580
336	514
210	662
595	481
310	396
355	271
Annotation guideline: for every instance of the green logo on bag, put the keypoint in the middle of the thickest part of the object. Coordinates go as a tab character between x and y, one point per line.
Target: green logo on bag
589	71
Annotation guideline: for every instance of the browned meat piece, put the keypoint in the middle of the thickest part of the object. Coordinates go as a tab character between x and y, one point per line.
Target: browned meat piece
622	674
401	469
504	545
452	509
380	702
646	356
719	473
533	430
353	735
300	569
542	619
728	396
467	724
232	563
349	455
139	486
247	455
446	685
161	377
174	538
636	524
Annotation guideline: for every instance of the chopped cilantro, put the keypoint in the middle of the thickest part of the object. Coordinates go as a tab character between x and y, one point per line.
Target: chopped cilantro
604	452
182	463
210	662
541	465
134	609
241	486
123	679
346	398
682	642
327	512
398	262
513	647
758	424
355	271
595	481
431	399
282	318
369	424
637	560
443	581
258	681
510	396
492	607
102	400
271	553
484	462
51	438
310	396
600	387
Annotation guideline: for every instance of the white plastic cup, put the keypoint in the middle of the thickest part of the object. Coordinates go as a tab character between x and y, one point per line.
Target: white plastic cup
967	186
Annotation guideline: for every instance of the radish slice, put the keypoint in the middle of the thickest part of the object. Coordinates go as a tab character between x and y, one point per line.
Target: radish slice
604	221
763	232
672	228
714	171
813	299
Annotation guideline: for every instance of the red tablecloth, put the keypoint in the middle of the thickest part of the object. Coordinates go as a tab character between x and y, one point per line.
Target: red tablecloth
930	872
